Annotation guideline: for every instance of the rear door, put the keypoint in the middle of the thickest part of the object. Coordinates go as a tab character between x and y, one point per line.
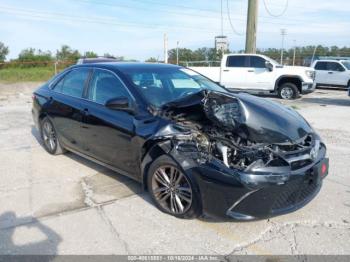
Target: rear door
66	107
234	73
321	72
109	133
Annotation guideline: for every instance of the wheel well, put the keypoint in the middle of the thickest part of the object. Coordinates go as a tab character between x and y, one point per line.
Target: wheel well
151	151
41	117
294	80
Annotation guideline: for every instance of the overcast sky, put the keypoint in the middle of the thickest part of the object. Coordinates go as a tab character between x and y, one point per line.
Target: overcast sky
135	28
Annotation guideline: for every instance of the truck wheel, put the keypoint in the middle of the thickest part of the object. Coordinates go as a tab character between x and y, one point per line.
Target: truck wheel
288	91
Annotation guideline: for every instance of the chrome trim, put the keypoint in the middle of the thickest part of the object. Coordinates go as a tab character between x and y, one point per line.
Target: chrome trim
239	216
299	158
240	200
91	68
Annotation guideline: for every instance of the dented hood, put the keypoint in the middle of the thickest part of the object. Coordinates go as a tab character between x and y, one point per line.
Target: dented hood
250	117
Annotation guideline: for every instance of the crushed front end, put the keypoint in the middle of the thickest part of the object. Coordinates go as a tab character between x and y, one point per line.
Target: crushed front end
250	158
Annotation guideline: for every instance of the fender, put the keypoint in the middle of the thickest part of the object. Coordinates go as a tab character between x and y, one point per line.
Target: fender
286	76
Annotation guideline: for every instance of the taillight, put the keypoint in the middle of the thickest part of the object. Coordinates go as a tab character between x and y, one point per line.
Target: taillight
323	169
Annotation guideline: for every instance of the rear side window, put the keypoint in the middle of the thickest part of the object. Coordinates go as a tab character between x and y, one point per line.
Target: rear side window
105	86
237	61
321	66
73	83
257	62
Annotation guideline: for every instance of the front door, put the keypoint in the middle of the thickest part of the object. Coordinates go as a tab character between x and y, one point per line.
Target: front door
109	133
259	77
337	74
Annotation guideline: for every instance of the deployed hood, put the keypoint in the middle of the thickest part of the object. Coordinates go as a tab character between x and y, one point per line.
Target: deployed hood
250	117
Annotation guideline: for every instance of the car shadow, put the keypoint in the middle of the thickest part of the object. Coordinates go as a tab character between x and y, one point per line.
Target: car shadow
47	246
134	186
328	101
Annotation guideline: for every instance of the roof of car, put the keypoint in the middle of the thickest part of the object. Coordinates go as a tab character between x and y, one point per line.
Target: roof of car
126	65
96	60
331	60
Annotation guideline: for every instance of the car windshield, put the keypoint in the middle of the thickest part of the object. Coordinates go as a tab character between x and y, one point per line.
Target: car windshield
162	85
346	64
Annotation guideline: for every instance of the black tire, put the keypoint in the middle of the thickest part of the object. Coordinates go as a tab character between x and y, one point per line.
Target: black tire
288	91
49	137
190	210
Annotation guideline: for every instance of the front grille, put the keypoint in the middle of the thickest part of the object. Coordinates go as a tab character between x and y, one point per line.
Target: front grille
296	192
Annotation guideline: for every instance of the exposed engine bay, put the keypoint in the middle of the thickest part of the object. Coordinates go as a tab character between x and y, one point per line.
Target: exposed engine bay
230	129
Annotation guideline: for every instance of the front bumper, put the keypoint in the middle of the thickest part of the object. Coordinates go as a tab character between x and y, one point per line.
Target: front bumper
307	88
223	193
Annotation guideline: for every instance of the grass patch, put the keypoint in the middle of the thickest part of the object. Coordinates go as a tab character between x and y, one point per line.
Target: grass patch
31	74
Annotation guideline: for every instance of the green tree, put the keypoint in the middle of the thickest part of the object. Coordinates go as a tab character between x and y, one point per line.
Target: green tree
4	51
31	57
151	60
67	54
90	54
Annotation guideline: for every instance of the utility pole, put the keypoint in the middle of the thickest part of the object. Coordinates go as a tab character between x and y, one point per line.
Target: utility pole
283	34
165	48
252	24
222	21
177	52
295	47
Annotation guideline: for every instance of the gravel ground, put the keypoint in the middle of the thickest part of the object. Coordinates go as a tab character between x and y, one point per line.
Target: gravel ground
68	205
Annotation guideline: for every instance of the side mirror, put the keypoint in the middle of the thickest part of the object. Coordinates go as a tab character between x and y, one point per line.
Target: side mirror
269	66
119	103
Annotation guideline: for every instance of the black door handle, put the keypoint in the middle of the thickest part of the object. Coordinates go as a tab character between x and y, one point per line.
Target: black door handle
226	70
251	71
330	72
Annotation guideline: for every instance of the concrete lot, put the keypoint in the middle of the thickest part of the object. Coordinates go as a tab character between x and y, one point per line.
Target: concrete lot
68	205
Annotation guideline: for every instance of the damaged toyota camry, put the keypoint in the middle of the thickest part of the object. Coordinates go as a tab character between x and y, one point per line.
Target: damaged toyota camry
196	147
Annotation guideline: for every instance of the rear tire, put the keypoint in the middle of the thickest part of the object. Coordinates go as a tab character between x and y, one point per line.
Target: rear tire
288	91
49	137
172	190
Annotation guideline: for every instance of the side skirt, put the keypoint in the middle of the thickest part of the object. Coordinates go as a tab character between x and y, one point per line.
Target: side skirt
103	164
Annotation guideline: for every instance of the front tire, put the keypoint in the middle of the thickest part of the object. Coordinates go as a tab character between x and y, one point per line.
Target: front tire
172	190
49	137
288	91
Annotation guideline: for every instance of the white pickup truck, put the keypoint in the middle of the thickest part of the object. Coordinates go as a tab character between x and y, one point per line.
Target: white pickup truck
260	74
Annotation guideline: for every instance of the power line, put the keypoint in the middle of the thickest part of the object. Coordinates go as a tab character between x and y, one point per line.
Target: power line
184	8
99	20
107	21
274	15
229	18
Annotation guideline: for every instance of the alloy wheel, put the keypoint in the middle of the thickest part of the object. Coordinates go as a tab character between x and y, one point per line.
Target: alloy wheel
49	136
287	92
172	189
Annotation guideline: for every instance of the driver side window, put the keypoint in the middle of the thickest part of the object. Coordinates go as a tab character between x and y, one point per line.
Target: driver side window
105	86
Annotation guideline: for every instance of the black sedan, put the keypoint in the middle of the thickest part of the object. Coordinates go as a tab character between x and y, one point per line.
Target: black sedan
196	147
